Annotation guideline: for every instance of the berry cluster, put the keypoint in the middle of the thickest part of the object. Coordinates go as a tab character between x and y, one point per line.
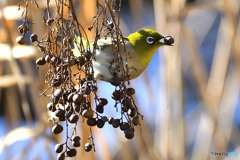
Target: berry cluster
73	96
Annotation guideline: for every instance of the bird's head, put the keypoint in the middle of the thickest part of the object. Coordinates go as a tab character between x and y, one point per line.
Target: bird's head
145	43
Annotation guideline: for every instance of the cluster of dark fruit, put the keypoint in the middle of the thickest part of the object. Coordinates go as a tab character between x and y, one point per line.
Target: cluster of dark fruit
69	103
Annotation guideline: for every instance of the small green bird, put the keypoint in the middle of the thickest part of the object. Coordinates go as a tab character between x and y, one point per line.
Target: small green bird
140	47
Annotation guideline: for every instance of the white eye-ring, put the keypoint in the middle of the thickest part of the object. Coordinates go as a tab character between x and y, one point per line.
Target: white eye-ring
150	40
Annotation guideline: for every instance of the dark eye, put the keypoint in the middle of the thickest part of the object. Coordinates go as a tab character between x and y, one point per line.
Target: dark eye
150	40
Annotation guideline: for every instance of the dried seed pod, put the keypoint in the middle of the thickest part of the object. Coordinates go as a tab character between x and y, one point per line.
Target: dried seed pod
56	83
34	37
73	118
131	91
168	40
57	129
21	40
105	119
110	120
129	133
71	152
91	121
76	106
76	143
49	21
87	113
23	28
88	147
51	107
40	61
132	112
100	108
68	114
116	123
47	58
136	121
58	92
61	156
77	98
115	81
60	113
76	138
58	148
124	126
70	97
103	101
100	123
116	95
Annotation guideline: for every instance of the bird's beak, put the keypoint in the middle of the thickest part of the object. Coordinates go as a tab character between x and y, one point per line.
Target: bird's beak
166	40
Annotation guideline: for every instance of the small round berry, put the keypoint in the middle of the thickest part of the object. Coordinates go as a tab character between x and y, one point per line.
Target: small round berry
40	61
72	152
57	129
58	148
61	156
76	138
100	123
87	113
116	123
88	147
168	40
73	118
21	40
103	101
91	121
136	121
33	37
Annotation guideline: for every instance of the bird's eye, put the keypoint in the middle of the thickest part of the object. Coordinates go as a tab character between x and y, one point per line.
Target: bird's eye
150	40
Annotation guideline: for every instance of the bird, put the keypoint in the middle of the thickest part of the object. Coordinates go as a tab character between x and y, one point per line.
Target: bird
139	46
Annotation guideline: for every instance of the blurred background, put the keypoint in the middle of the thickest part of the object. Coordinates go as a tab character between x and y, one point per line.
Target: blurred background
189	94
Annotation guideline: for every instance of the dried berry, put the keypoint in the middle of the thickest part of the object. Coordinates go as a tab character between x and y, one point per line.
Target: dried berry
136	121
124	126
129	133
58	148
100	108
40	61
60	113
115	81
58	92
23	28
76	106
91	121
57	129
73	118
61	156
116	95
76	138
168	40
88	147
87	113
131	91
103	101
110	120
76	143
71	152
100	123
51	107
21	40
34	37
132	112
41	48
77	98
116	123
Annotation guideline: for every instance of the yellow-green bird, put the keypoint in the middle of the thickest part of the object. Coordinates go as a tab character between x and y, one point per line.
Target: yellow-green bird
140	47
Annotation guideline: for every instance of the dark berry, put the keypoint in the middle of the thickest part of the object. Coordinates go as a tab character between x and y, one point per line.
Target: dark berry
72	152
88	147
57	129
91	122
58	148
